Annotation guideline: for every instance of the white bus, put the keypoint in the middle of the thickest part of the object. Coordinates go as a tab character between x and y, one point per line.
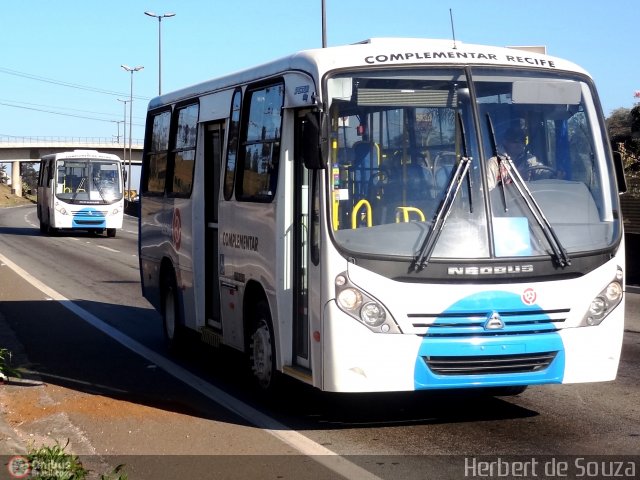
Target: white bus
348	216
81	189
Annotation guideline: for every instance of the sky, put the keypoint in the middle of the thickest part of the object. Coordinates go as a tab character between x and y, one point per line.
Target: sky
60	61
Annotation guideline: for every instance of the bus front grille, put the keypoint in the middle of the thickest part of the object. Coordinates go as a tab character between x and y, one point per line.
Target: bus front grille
90	213
88	223
489	364
471	324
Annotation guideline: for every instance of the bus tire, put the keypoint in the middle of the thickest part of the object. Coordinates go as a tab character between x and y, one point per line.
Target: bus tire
45	227
262	354
111	232
171	319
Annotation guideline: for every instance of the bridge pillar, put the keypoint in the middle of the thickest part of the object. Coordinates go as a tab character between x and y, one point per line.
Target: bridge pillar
16	179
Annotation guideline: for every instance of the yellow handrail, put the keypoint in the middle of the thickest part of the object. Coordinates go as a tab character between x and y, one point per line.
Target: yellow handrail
402	214
334	210
354	214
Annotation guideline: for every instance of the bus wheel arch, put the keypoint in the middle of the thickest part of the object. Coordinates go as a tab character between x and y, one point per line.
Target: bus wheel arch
170	307
260	339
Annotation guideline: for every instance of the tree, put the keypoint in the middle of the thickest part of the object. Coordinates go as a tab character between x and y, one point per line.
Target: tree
634	117
624	131
619	125
29	177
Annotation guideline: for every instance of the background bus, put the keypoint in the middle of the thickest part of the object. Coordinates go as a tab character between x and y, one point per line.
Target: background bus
82	189
349	217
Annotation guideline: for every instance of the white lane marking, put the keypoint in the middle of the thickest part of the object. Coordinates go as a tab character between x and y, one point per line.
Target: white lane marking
304	445
108	249
29	222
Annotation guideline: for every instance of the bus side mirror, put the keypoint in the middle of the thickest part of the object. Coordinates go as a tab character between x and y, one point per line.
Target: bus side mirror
311	145
619	167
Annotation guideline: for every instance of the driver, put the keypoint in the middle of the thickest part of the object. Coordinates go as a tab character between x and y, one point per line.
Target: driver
514	145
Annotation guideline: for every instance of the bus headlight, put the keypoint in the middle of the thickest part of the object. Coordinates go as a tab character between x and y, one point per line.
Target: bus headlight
61	209
373	314
604	302
349	299
361	306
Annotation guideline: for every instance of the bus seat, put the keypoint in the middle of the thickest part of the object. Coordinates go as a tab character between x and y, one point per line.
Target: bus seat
384	194
70	183
396	187
419	181
366	155
442	168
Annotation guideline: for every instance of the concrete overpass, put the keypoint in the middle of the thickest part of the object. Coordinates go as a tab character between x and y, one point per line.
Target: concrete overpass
16	150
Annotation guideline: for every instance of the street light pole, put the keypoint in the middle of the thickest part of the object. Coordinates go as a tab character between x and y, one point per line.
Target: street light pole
124	130
324	24
132	70
160	17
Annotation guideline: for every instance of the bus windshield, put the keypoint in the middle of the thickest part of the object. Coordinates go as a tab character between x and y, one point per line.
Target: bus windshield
536	179
88	181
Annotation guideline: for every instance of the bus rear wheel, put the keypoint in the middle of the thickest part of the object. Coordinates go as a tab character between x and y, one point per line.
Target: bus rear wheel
171	323
111	232
262	350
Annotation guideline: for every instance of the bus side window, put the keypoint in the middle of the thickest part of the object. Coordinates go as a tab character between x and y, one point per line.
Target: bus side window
257	174
184	150
156	160
232	144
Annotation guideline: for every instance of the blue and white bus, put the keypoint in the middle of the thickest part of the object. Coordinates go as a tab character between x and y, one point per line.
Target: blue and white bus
350	217
81	189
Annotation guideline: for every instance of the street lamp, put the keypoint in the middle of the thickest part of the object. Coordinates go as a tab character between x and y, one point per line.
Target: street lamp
124	130
132	70
160	17
324	24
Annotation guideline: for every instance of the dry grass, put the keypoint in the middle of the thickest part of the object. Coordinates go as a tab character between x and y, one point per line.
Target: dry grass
7	199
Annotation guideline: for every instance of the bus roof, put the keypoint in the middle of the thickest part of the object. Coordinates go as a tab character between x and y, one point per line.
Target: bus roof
377	52
93	154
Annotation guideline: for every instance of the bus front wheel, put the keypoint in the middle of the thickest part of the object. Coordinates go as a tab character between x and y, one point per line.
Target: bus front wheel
111	232
262	350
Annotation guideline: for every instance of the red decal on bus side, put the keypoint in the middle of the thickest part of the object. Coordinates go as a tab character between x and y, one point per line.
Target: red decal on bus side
176	231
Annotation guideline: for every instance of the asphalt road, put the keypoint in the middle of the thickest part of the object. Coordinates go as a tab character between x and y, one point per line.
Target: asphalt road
123	398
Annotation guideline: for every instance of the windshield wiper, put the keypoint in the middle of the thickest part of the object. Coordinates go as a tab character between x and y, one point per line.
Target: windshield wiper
99	188
500	159
78	188
444	209
559	253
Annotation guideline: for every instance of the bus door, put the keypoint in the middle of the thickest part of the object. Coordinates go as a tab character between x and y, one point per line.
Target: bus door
306	303
214	135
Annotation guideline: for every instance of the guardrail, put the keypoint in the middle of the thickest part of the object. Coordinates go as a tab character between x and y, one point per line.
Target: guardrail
44	140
